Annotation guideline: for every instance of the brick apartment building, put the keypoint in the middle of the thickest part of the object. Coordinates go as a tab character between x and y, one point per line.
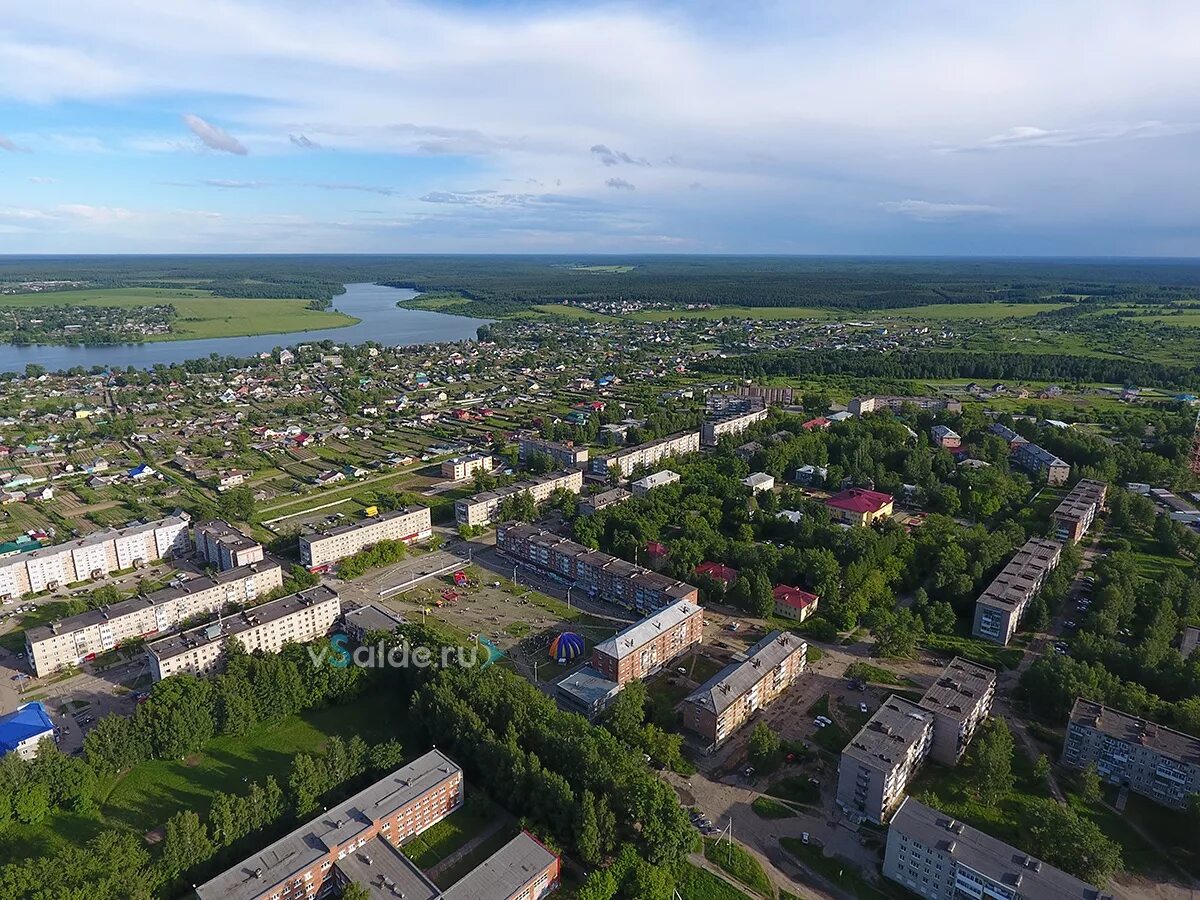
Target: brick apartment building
1038	461
646	646
960	700
481	509
565	455
1078	510
297	618
69	641
221	545
1001	606
321	548
596	573
724	703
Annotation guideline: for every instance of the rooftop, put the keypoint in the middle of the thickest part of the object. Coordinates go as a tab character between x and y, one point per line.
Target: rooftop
373	618
22	724
860	500
793	596
989	856
959	688
1015	583
223	533
361	523
889	734
504	872
641	633
98	537
384	870
520	486
1134	730
738	678
1086	495
587	686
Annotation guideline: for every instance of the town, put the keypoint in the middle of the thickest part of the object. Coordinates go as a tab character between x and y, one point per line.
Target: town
834	643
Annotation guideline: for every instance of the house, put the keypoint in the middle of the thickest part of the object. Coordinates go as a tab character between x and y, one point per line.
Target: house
811	475
814	424
23	729
945	438
859	506
759	481
286	357
794	603
718	572
329	477
141	472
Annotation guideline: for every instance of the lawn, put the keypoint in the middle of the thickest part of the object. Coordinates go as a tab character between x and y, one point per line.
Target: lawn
774	313
797	789
199	314
876	675
739	864
967	311
984	653
839	871
475	857
833	737
694	883
454	832
563	311
767	808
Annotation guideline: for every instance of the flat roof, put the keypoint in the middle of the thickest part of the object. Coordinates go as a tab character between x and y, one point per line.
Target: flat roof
654	479
374	618
607	498
504	872
958	688
224	533
641	633
316	838
1014	585
362	523
738	678
383	870
96	537
989	856
649	445
154	598
520	486
1085	496
227	627
588	687
1135	730
889	733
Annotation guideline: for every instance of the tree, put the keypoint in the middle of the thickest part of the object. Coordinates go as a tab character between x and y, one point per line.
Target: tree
1090	789
898	633
600	884
1063	838
764	747
306	783
587	842
185	844
628	713
355	891
226	820
179	715
1041	767
237	504
991	767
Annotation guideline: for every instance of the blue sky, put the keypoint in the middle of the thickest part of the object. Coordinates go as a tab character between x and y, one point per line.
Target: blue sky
1028	128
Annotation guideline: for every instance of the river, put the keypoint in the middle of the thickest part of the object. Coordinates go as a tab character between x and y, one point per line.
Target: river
375	305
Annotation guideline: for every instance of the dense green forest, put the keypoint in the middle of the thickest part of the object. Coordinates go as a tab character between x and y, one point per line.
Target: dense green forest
495	285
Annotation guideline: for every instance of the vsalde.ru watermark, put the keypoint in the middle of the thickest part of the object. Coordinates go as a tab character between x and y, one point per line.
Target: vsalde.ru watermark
384	655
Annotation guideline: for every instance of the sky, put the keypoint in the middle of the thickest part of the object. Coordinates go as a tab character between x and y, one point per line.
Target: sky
1021	127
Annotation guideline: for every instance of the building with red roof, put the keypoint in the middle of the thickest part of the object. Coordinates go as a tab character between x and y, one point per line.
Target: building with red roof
656	552
859	506
818	422
793	603
718	571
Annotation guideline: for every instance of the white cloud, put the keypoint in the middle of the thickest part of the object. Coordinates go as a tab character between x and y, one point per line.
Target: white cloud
214	137
928	211
95	215
619	184
9	145
1031	136
232	183
41	179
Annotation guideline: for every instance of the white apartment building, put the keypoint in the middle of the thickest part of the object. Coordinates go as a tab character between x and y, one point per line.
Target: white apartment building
297	618
652	481
409	525
712	431
68	642
481	508
461	467
565	455
221	545
94	556
1000	608
623	462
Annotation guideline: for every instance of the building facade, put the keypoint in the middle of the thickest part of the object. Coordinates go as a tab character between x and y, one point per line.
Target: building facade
622	463
94	556
598	574
859	506
565	454
68	642
794	603
461	467
1157	762
481	509
713	430
728	700
593	503
1078	510
646	646
879	762
298	618
652	481
960	701
322	548
1000	608
1037	461
939	858
24	728
221	545
861	405
944	437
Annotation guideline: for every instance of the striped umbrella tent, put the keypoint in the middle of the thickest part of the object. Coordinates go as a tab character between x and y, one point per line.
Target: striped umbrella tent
566	647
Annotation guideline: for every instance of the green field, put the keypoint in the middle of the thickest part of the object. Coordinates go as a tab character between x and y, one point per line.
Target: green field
960	311
564	311
199	313
604	270
751	312
949	312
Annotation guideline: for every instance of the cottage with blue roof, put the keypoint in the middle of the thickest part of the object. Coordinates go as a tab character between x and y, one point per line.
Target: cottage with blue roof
21	731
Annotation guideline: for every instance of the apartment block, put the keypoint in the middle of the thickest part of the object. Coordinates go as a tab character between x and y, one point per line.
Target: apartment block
935	856
94	556
221	545
1041	462
321	548
598	574
652	481
68	642
1078	510
646	646
879	762
481	508
593	503
713	430
523	869
461	467
728	700
861	405
297	618
360	833
859	506
1157	762
946	438
1007	435
565	455
960	700
794	603
622	463
1000	608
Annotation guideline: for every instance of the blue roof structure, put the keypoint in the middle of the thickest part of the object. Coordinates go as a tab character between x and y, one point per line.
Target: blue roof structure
30	720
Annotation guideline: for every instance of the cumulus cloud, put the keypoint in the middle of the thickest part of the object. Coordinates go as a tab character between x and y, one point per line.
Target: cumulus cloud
214	137
928	211
611	157
619	184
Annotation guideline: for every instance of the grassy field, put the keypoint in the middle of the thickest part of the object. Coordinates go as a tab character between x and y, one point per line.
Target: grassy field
694	883
571	312
949	312
839	871
740	864
746	312
199	313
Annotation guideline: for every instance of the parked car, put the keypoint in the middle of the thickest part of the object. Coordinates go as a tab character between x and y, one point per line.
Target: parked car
862	707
